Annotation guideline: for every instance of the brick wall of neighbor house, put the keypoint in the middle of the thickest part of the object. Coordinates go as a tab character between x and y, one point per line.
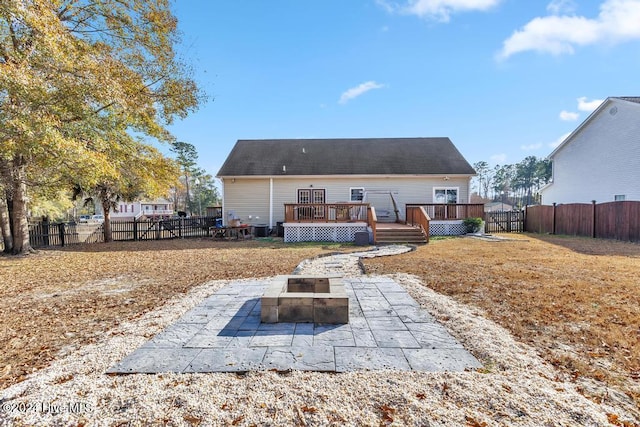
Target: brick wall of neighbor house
251	196
601	161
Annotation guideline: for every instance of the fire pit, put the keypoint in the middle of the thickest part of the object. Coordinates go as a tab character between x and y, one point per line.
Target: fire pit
305	299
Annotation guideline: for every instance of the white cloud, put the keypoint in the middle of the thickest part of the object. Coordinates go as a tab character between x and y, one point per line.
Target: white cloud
355	92
531	147
558	141
439	10
589	106
557	7
569	116
498	158
560	34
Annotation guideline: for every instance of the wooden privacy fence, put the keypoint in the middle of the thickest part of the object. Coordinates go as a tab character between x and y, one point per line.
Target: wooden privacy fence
61	234
611	220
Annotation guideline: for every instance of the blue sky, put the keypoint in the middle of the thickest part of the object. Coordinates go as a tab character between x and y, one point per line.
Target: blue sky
504	79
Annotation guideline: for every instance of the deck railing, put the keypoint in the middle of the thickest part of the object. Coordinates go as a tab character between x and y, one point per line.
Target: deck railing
417	217
453	211
372	218
325	212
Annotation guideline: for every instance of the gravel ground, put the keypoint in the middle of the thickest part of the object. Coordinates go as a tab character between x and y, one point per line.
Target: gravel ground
515	387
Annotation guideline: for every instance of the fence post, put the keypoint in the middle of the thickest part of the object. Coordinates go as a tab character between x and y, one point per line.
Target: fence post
593	220
553	227
45	230
61	232
135	229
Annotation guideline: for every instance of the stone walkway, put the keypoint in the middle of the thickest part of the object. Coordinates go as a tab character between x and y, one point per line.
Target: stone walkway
387	330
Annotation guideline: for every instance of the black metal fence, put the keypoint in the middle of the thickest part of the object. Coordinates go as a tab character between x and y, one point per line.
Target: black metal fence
504	222
53	234
62	234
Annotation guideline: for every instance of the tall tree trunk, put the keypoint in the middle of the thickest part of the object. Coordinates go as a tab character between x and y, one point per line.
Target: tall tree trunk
5	226
18	209
187	207
106	225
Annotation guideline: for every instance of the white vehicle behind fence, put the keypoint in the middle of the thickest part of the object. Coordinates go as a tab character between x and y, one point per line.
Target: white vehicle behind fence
97	218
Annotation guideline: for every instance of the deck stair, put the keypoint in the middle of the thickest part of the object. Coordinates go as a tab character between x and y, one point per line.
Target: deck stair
399	233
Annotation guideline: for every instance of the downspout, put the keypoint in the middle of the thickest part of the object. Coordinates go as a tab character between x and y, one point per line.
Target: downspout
224	214
270	202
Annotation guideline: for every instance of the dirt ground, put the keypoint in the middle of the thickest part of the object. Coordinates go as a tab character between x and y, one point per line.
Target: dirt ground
576	300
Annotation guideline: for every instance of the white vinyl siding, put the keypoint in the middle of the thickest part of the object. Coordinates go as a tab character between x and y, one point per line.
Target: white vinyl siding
246	198
250	196
601	160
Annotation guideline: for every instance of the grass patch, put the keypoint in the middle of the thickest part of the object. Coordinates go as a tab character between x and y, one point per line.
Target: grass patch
576	300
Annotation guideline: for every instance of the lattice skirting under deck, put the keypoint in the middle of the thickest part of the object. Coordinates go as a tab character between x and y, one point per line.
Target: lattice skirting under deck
339	232
447	228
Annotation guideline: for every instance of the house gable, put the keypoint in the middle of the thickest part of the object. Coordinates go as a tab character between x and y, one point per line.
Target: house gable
598	161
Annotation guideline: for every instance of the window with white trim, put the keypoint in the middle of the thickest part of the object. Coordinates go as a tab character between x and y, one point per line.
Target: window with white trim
619	197
356	194
445	195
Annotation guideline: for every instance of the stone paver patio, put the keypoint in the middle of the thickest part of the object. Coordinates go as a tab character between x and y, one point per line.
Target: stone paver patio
387	330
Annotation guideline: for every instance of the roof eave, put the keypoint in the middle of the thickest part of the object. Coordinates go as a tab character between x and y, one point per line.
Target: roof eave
580	127
601	107
439	175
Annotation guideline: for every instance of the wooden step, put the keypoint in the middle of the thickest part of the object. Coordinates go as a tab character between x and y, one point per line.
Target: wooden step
400	235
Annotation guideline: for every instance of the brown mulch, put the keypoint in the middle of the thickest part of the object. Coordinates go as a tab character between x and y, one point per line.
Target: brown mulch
577	300
59	299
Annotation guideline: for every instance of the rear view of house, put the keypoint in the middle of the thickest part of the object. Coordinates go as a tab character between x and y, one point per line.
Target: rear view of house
270	181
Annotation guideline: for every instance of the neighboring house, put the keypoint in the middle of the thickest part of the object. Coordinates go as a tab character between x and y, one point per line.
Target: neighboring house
128	211
497	207
600	159
260	176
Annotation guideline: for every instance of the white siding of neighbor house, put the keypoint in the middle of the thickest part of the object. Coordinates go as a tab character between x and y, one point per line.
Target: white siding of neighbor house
250	196
601	160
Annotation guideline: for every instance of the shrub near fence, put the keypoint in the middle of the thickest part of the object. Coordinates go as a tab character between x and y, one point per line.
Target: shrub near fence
611	220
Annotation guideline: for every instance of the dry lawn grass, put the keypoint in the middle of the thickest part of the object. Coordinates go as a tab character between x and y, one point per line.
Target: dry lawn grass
57	300
576	300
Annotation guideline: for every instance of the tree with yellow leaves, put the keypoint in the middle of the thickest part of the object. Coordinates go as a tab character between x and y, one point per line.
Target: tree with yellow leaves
78	78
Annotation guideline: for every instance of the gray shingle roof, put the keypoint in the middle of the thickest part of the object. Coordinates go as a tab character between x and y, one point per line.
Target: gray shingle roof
362	156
